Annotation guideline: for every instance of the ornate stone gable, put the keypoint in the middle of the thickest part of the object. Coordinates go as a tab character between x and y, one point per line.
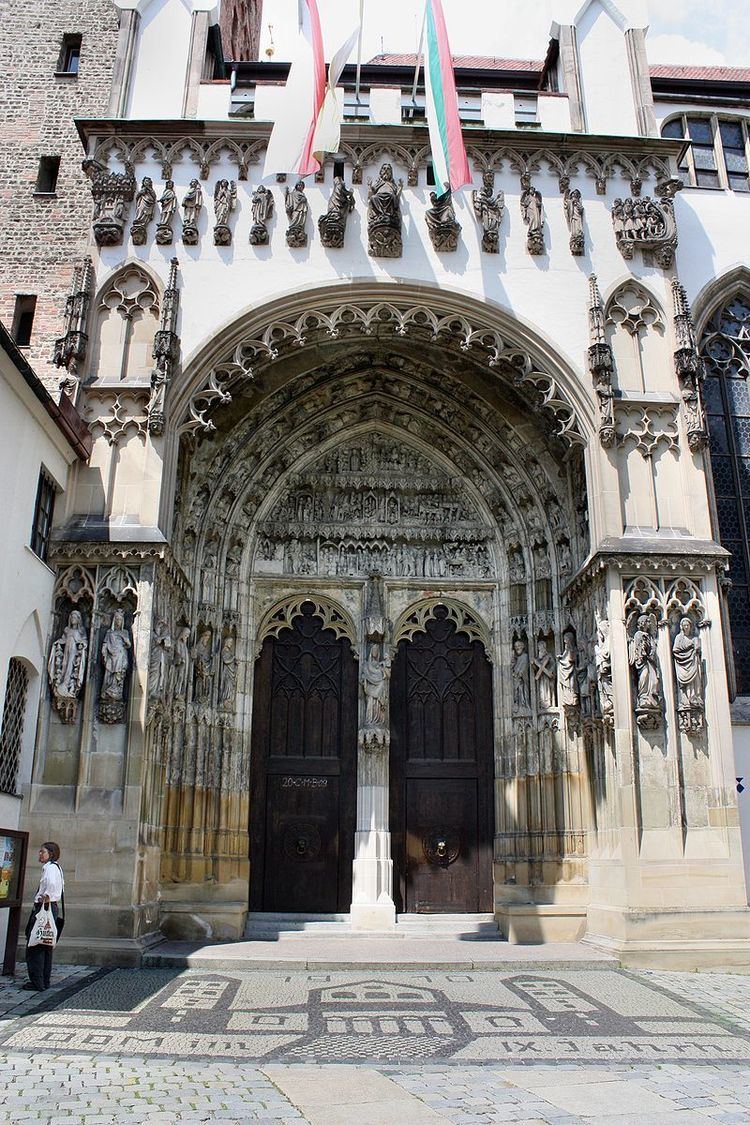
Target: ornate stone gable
375	504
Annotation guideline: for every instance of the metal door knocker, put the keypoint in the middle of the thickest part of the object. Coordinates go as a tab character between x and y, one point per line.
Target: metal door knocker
441	847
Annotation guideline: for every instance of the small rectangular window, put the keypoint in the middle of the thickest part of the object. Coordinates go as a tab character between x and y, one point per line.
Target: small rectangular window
43	512
338	169
70	55
735	156
704	155
46	180
526	109
23	319
430	174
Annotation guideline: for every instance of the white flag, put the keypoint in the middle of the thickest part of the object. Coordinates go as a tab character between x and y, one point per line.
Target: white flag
328	130
290	148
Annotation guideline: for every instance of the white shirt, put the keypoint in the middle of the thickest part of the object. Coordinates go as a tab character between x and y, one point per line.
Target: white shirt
51	883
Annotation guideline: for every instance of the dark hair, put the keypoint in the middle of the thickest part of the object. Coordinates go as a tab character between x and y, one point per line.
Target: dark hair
53	849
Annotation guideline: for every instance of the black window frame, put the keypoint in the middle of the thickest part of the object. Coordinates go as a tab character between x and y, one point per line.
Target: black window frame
24	313
44	514
48	174
700	153
70	49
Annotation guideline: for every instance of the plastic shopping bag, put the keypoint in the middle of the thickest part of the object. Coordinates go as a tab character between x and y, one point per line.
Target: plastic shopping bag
44	930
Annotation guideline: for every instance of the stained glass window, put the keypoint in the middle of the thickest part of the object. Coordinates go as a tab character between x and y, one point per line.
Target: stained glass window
726	351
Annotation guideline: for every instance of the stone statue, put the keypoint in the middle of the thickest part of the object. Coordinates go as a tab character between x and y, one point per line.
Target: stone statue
297	208
567	673
262	208
203	668
228	687
603	660
384	215
145	206
645	664
531	211
574	216
332	225
168	206
544	675
67	667
159	664
225	201
520	674
375	676
115	660
181	666
688	669
489	210
192	205
441	221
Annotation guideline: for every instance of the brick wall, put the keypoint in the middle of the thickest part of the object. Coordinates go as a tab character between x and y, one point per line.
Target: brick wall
40	238
240	29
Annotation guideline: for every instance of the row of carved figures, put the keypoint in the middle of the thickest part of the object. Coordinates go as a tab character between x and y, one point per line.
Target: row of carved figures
68	660
581	684
638	222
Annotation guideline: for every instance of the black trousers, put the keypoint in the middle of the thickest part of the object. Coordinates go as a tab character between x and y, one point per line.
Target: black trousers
39	957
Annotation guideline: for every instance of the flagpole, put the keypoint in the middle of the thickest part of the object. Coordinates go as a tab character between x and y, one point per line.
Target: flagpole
419	58
359	53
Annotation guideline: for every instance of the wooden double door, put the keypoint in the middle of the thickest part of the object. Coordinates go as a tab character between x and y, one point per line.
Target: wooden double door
442	806
303	785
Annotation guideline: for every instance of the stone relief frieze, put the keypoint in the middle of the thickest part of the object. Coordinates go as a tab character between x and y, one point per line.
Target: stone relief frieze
648	224
375	505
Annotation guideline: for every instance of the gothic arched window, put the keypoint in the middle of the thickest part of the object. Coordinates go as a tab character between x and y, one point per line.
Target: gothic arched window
128	317
725	348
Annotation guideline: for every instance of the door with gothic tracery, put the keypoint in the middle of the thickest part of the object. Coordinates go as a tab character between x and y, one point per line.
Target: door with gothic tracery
303	785
442	771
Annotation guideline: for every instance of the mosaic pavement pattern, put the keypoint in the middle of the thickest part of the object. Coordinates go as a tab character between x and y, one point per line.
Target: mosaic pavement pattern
380	1018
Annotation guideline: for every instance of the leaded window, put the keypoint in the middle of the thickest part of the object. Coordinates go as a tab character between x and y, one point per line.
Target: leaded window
725	347
11	733
718	153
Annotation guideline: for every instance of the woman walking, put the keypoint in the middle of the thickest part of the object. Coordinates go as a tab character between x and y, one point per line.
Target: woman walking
51	893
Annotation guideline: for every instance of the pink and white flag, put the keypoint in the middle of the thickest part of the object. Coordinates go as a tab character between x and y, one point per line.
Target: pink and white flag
290	148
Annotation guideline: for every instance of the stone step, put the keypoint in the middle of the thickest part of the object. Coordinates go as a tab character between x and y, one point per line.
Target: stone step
443	927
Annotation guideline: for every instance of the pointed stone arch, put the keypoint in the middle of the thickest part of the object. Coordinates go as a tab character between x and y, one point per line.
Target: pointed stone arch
414	620
283	612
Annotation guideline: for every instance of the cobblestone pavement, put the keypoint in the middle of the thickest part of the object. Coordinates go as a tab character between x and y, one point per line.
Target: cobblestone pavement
162	1046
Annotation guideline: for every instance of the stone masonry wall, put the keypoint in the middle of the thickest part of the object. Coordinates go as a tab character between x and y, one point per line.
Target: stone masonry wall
41	237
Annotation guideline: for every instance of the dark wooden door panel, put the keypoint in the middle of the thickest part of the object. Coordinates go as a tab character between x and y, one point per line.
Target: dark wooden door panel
442	771
303	787
301	871
442	847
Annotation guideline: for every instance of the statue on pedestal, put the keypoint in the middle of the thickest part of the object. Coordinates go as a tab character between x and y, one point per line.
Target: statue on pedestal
384	215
